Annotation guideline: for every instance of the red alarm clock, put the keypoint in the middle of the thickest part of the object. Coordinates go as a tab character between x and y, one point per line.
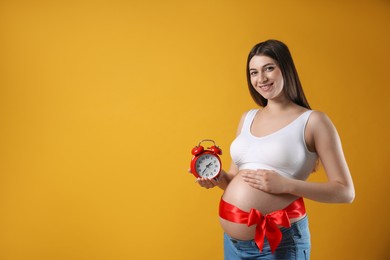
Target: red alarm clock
206	163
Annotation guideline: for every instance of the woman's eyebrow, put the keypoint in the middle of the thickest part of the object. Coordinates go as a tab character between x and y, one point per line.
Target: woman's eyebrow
270	63
265	65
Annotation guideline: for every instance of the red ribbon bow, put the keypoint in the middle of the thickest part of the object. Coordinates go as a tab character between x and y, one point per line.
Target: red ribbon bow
268	226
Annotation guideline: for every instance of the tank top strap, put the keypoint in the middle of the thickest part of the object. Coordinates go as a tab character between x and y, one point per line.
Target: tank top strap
306	115
250	115
304	118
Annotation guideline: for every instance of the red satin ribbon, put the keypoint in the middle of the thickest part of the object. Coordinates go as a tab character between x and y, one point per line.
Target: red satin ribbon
266	225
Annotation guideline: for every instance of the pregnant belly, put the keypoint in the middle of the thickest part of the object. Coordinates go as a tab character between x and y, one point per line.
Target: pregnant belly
244	197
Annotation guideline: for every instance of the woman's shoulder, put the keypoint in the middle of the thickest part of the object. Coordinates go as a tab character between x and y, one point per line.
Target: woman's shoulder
318	117
319	121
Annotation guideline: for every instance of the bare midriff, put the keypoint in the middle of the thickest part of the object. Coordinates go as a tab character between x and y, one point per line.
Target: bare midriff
244	197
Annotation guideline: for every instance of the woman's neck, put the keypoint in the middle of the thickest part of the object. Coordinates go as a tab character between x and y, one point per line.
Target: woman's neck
274	106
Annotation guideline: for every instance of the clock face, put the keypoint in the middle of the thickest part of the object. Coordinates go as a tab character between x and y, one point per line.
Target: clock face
208	166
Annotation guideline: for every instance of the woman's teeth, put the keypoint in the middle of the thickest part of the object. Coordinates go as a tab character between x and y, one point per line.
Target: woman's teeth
266	87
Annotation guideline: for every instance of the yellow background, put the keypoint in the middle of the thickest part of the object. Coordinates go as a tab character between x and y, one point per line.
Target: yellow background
102	101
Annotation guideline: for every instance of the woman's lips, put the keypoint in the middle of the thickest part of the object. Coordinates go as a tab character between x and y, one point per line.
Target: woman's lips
266	87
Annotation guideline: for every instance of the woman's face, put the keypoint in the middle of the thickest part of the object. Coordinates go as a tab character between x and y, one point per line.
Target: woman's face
266	77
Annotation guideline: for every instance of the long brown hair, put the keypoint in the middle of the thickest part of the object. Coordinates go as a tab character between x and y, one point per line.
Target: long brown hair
279	52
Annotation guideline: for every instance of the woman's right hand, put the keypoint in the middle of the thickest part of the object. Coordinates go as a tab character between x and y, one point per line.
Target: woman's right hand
221	181
207	183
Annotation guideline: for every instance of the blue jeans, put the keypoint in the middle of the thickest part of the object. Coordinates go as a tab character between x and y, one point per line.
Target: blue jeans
295	244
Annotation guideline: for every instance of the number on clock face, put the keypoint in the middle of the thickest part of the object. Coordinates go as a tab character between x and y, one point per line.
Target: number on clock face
207	166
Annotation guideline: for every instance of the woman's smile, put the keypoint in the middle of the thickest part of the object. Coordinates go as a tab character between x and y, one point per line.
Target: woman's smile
266	87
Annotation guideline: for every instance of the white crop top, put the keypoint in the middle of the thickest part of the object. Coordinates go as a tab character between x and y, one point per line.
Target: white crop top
283	151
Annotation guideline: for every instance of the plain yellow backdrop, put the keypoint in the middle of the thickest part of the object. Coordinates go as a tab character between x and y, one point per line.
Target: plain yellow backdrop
102	101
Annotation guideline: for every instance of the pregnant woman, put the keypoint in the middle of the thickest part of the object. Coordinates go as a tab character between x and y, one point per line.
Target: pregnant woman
277	146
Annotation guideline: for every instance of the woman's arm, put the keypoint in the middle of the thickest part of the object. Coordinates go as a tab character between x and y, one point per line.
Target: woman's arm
322	136
225	177
339	188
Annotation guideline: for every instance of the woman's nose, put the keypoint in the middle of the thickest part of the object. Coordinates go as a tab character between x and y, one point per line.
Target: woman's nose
263	79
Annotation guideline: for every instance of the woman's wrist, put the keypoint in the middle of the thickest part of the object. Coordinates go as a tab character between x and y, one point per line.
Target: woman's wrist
223	180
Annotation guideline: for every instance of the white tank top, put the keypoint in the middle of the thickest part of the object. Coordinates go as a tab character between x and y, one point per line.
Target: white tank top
283	151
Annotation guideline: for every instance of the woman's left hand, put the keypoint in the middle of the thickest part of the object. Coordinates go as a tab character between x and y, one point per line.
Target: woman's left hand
266	180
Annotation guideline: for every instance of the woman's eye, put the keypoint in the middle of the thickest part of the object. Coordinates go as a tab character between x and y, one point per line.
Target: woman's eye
253	73
270	68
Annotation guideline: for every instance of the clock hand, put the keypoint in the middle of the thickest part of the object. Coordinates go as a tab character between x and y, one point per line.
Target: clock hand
207	166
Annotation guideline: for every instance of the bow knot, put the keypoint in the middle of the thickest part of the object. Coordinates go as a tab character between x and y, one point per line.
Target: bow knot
267	226
254	217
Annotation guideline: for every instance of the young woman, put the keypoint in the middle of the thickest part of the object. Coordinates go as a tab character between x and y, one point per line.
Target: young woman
277	147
